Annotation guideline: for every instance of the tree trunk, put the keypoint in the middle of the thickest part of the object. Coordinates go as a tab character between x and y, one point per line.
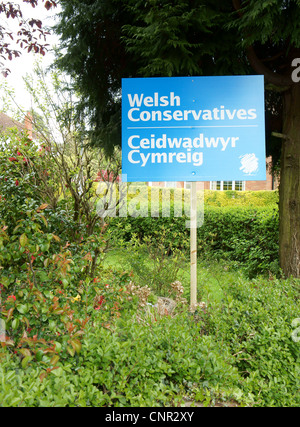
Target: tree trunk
289	190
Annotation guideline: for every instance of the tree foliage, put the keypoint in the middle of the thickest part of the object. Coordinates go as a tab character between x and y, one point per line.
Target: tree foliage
188	37
104	41
30	36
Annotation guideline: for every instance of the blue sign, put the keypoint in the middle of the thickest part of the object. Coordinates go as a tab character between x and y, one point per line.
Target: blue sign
193	128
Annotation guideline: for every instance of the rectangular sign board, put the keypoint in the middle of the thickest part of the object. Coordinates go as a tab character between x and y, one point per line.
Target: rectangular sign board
193	128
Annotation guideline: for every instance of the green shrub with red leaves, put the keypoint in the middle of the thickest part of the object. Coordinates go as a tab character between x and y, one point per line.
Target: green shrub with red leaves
48	294
41	283
24	173
50	286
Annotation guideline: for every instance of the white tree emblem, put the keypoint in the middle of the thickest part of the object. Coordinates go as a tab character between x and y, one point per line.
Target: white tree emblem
249	163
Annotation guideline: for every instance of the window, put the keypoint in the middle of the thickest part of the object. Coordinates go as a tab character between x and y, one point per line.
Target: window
227	185
239	185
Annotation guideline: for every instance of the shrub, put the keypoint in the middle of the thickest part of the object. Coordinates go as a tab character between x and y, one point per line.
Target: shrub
124	358
248	236
145	364
24	388
245	199
19	181
255	321
38	285
154	264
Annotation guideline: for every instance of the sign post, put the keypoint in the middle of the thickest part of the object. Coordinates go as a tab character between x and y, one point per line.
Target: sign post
193	129
193	243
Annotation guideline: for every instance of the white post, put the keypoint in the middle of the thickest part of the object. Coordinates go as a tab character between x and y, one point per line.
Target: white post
193	243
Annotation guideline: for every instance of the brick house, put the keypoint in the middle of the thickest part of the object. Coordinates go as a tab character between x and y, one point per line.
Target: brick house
7	122
271	183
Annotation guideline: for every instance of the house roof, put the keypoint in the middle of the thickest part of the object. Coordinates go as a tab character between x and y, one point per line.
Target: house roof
7	122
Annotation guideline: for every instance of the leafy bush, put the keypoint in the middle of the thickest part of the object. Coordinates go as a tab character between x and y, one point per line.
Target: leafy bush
38	288
22	169
248	236
164	196
145	363
81	334
246	199
131	363
24	388
255	321
128	355
42	274
154	264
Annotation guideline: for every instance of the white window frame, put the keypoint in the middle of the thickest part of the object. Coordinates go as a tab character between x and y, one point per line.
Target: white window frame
213	186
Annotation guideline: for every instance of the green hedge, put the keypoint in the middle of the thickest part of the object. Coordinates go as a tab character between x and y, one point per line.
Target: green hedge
240	198
246	235
211	197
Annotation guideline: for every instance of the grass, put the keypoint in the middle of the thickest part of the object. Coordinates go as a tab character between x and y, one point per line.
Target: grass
212	276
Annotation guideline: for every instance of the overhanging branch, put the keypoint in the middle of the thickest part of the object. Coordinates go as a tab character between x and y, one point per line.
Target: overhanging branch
257	65
271	77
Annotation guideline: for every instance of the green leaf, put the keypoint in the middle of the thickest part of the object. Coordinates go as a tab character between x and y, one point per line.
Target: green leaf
23	240
25	361
76	344
71	351
57	346
54	360
15	323
23	308
65	283
58	372
52	325
5	281
25	352
39	355
44	220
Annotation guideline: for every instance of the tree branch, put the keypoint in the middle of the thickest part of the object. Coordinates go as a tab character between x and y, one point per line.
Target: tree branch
257	65
271	77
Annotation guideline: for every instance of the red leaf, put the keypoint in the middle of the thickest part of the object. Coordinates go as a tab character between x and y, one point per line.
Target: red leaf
48	5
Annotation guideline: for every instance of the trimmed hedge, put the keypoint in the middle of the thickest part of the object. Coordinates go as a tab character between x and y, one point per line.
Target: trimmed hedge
210	197
241	198
246	235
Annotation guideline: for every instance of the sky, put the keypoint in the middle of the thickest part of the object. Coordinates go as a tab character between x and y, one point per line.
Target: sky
24	64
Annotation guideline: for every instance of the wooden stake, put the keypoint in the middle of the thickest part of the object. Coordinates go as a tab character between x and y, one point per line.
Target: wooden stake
193	243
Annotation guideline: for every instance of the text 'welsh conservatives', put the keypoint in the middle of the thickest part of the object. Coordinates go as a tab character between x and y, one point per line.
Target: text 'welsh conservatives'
136	113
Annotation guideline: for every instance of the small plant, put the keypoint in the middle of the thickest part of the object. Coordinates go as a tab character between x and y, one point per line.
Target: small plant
155	264
255	321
